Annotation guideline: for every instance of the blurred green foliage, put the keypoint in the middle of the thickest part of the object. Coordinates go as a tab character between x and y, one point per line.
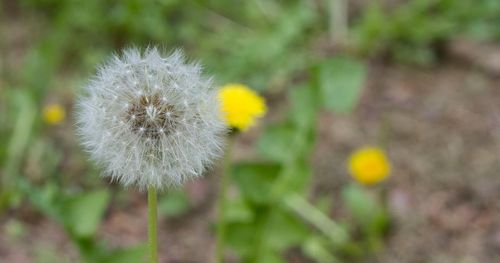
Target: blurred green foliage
412	32
174	203
275	47
340	81
270	213
80	215
248	40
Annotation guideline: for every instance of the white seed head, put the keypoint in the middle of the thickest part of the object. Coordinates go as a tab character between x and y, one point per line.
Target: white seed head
150	120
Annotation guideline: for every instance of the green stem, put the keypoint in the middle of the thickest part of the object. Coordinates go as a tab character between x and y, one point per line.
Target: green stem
222	202
152	225
339	29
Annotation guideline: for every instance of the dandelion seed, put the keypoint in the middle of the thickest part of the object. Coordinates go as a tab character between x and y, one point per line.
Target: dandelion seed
159	146
241	106
369	165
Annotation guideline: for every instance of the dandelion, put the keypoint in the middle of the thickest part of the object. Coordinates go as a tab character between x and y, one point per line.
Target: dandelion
241	106
369	165
151	122
53	114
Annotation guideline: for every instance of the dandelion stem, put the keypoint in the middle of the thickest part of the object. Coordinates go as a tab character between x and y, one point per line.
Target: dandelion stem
222	202
152	225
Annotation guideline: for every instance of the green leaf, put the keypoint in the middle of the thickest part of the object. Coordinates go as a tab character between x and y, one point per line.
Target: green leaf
270	256
44	198
340	81
241	237
337	233
361	204
317	248
285	143
324	203
372	30
238	210
174	203
284	230
365	210
294	178
127	255
255	180
82	214
20	139
277	143
304	105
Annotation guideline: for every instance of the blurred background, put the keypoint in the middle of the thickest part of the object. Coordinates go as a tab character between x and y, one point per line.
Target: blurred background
417	78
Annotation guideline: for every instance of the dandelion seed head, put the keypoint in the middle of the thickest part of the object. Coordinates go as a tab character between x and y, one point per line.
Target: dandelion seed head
150	120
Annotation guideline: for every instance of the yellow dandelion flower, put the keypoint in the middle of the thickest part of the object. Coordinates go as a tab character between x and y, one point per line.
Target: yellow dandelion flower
369	165
241	106
53	114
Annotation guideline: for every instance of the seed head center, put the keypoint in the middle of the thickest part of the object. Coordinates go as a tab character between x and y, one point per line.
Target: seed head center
151	117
